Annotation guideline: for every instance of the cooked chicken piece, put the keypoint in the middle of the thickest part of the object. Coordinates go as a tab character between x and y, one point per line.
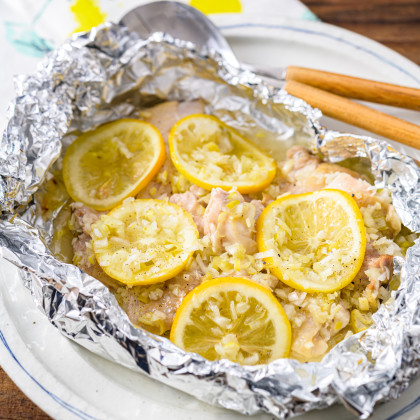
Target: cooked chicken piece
375	271
301	159
310	340
360	190
166	114
340	320
373	260
300	162
259	207
329	168
158	313
380	272
81	221
307	173
84	258
307	343
162	116
230	226
216	205
82	217
371	255
301	173
392	219
384	262
365	195
188	201
198	191
235	230
155	190
266	199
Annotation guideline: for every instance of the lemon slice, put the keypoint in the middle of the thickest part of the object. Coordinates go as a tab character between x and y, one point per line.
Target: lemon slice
232	318
144	241
112	162
210	154
313	242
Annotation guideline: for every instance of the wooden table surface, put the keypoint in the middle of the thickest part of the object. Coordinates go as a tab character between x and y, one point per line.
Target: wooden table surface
394	23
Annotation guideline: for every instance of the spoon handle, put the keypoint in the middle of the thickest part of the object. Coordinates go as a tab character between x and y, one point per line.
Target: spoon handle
351	112
356	88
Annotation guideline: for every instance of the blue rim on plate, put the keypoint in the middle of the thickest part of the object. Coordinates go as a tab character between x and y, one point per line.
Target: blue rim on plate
78	413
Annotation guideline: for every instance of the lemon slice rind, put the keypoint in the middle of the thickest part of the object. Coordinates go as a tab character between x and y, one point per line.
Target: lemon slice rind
232	318
211	154
144	241
104	166
316	254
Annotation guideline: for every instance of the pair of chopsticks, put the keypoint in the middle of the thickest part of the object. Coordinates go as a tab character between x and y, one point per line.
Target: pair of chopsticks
329	92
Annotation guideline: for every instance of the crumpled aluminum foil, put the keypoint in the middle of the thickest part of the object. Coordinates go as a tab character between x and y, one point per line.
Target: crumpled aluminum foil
110	73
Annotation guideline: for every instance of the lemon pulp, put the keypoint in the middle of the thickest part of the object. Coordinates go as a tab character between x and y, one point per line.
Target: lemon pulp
104	166
317	241
144	241
235	319
211	154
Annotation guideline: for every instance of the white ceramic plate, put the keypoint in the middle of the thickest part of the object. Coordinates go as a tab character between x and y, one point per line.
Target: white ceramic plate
69	382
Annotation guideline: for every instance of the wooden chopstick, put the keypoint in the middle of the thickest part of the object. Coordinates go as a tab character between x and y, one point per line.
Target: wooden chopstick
351	112
356	88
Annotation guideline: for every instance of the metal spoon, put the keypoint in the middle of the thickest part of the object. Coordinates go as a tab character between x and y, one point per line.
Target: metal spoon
187	23
314	86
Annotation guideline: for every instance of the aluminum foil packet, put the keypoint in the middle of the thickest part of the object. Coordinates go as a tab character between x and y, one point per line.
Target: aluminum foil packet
110	73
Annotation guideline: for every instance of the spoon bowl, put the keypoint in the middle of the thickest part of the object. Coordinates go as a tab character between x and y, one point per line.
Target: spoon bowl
320	89
181	21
